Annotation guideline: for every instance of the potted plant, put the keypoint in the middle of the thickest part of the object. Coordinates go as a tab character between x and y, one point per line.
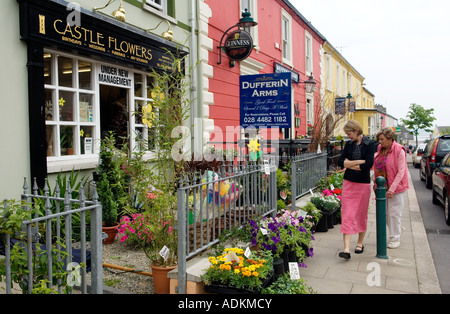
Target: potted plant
152	230
285	285
234	272
111	185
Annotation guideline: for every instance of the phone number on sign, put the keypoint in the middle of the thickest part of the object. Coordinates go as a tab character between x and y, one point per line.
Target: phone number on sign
264	119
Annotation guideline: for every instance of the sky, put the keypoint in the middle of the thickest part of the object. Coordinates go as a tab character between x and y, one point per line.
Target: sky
400	47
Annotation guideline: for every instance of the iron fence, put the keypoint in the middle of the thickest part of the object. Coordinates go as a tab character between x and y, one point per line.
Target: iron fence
56	246
212	203
306	170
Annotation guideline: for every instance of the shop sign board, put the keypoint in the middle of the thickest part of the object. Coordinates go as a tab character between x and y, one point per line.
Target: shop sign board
278	68
265	100
95	35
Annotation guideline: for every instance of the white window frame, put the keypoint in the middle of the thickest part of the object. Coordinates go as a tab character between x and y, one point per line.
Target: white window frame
59	163
309	69
286	38
328	71
309	110
338	80
161	6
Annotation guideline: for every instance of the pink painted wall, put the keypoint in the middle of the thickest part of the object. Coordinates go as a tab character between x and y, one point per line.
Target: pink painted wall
225	83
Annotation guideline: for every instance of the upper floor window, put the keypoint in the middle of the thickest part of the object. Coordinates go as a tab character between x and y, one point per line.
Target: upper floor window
308	54
286	37
160	5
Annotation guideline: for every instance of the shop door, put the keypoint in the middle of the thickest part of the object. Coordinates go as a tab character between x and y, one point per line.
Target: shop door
114	113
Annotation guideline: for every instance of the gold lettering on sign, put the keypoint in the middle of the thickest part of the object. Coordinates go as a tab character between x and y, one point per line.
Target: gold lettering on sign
42	24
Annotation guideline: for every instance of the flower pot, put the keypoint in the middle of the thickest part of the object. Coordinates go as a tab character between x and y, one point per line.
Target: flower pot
330	221
278	266
322	225
161	283
110	233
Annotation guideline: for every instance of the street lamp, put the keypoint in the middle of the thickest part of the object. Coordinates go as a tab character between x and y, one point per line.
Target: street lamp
309	84
245	23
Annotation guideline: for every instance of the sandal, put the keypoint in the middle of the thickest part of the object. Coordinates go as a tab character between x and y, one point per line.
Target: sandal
345	255
359	249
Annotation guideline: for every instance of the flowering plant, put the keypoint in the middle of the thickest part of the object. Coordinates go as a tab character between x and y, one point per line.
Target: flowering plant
287	230
326	203
233	268
152	234
153	228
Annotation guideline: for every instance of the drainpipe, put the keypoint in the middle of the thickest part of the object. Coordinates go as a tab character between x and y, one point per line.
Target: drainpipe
196	120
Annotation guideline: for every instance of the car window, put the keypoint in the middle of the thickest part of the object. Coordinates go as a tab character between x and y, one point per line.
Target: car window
444	145
429	147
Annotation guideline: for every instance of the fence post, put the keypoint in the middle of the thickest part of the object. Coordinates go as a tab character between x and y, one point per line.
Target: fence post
181	214
293	181
96	246
380	193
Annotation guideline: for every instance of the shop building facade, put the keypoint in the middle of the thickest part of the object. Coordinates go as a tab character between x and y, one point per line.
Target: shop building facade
77	72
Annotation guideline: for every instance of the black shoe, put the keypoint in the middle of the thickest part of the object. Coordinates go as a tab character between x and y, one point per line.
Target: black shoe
345	255
359	249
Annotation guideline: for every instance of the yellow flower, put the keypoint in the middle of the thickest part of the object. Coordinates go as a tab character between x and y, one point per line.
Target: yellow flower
147	115
237	271
62	102
255	274
81	132
253	146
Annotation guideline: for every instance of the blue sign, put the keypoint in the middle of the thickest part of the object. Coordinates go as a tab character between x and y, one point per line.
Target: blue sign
339	105
265	100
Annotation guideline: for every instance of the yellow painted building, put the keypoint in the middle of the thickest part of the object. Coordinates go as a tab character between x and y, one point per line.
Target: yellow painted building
341	80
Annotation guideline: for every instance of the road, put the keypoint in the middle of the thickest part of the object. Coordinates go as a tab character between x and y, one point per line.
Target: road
437	230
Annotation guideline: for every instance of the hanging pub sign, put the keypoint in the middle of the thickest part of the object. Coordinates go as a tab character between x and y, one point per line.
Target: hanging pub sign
339	105
265	100
238	45
278	68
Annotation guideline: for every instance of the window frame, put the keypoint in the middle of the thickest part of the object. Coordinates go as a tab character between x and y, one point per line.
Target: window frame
309	64
60	162
286	39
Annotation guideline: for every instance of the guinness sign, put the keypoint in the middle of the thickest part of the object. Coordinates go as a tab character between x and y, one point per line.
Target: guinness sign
238	45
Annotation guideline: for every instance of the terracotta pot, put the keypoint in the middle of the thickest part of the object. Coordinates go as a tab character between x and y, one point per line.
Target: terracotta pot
161	283
111	233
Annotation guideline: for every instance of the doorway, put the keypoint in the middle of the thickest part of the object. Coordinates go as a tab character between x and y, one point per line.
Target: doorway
114	113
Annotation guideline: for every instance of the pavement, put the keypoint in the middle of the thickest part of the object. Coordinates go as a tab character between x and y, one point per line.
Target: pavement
408	269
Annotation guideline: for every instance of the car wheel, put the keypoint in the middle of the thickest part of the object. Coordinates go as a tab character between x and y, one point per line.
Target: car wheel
435	199
447	210
428	181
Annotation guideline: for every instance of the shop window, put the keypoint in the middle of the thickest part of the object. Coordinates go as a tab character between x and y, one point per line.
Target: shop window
69	106
145	112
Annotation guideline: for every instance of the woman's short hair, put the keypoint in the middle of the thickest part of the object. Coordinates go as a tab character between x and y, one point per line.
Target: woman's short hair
387	132
353	126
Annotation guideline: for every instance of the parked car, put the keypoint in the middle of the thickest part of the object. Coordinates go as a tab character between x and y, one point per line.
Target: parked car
441	186
435	150
417	155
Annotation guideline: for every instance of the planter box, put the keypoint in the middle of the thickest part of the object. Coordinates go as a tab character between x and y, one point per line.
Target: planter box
224	289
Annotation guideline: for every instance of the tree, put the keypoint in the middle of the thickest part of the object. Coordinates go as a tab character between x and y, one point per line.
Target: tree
418	118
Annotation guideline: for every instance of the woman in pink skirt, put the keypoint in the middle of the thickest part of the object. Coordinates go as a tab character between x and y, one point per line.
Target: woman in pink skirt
357	159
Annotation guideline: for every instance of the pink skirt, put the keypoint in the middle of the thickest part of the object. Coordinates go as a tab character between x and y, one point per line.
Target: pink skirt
355	206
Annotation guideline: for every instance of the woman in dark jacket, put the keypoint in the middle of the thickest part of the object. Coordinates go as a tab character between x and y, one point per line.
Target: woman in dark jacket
357	159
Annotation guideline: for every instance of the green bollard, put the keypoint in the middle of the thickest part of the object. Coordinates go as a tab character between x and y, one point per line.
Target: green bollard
380	194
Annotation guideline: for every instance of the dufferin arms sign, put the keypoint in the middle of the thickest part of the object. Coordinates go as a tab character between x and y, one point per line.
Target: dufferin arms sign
95	36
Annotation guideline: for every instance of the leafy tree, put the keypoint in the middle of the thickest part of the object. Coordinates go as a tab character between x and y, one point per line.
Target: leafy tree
419	118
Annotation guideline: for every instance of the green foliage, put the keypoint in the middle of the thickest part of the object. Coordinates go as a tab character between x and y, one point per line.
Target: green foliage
112	185
285	285
281	205
11	219
419	118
